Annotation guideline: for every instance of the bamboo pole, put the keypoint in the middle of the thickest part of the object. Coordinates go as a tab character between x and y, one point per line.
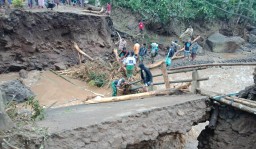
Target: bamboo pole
221	98
82	52
133	96
237	105
242	101
216	64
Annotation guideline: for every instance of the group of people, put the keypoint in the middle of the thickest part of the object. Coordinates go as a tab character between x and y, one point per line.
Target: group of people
131	58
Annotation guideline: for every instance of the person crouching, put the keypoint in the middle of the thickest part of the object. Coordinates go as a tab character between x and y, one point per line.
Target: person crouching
146	76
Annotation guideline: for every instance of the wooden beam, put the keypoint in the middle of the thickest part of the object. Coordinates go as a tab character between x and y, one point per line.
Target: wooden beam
133	96
216	64
165	76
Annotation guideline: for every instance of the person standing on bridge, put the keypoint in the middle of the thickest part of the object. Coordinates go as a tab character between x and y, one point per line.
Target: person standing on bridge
116	85
146	76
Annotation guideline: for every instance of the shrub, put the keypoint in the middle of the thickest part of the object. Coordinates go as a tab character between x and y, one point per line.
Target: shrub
17	3
37	110
97	79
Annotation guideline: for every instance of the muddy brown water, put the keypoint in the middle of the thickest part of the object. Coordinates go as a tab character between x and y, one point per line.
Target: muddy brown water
52	90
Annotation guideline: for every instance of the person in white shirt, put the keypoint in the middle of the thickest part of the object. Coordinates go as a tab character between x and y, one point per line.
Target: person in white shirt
129	64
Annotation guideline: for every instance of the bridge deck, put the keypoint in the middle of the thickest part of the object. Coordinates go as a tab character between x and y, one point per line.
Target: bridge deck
84	115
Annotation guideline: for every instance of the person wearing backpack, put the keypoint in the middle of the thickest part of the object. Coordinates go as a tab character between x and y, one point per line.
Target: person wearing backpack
194	49
170	54
153	51
142	53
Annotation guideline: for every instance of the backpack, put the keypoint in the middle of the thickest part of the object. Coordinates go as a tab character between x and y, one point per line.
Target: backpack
171	52
143	51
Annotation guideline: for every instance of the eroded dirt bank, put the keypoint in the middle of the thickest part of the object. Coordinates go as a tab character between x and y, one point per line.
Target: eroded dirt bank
38	40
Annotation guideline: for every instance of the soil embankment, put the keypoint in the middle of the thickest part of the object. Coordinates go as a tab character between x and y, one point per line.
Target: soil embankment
39	40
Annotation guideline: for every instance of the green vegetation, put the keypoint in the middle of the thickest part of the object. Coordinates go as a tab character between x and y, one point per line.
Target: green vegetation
37	110
164	10
17	3
97	79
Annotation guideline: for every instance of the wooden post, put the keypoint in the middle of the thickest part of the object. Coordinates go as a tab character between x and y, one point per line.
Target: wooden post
195	82
165	76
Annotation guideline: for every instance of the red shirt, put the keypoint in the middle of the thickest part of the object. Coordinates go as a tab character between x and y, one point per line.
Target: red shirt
141	25
108	7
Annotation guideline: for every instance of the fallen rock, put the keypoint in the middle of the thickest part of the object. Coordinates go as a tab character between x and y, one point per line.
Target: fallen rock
60	66
223	44
5	121
15	90
23	74
252	38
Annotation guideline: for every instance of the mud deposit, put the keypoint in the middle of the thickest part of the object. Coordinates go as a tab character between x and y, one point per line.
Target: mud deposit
39	40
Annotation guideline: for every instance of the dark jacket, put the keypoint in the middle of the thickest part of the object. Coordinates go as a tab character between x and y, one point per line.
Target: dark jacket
146	71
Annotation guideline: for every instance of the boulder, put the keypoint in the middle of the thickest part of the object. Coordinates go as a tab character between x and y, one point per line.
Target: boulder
5	121
252	39
15	90
223	44
60	66
23	74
